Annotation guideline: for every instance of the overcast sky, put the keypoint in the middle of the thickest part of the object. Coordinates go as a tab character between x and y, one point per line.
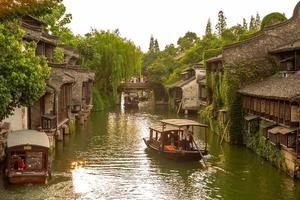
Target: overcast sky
166	20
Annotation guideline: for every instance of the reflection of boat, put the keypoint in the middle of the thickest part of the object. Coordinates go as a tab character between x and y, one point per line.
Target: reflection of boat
173	138
27	157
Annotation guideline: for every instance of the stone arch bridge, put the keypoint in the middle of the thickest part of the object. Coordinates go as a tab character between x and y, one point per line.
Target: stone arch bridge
158	89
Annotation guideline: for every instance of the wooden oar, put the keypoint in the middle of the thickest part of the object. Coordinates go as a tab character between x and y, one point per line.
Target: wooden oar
203	158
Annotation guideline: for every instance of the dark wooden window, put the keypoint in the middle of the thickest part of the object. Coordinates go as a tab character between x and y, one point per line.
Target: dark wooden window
202	92
49	52
267	107
281	111
287	113
274	138
276	111
288	140
40	49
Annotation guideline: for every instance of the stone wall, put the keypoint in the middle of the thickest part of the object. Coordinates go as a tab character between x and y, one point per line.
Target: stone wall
18	120
35	112
190	91
190	95
80	77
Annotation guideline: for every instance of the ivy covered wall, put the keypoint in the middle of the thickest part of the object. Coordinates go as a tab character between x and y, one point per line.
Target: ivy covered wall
255	140
249	61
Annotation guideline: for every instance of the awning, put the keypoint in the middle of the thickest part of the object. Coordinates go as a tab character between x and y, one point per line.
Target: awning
181	122
250	117
159	128
281	130
27	137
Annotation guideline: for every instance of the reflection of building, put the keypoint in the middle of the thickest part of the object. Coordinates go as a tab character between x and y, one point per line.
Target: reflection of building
68	88
189	93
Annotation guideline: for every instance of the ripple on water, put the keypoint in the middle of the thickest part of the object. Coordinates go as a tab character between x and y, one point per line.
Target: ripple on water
106	159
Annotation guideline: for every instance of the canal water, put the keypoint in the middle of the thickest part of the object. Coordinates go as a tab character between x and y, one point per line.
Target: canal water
106	159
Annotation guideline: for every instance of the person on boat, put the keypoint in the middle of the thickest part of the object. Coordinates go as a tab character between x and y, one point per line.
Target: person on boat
21	164
176	139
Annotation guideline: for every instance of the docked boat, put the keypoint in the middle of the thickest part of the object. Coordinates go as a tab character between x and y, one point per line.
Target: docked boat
174	139
131	101
27	157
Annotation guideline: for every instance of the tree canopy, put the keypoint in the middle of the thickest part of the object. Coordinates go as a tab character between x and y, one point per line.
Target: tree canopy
114	58
57	20
22	74
17	8
165	66
272	18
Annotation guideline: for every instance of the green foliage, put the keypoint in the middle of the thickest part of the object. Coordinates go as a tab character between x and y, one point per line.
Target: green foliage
100	100
211	53
72	126
221	25
58	55
57	20
159	66
156	46
208	29
174	76
262	147
11	9
22	74
187	41
192	55
165	66
241	73
153	46
245	24
234	106
115	59
272	18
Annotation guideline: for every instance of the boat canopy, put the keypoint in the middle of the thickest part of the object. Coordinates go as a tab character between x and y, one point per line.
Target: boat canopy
27	137
182	122
160	128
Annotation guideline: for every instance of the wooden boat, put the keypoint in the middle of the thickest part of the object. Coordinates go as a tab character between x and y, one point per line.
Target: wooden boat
131	101
27	157
173	139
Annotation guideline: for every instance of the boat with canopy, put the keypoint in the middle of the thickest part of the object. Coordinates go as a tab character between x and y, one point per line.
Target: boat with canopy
174	139
27	157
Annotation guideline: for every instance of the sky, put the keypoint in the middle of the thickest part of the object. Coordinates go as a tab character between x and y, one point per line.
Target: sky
166	20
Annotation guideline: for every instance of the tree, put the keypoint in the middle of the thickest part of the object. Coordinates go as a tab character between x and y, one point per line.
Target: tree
114	59
22	74
257	22
208	30
245	24
170	50
221	25
187	41
252	24
57	20
151	44
15	8
156	46
272	18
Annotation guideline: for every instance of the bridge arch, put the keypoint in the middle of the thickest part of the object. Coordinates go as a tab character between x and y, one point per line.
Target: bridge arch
160	93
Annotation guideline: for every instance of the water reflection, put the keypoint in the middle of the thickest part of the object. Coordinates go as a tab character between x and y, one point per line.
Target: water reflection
107	159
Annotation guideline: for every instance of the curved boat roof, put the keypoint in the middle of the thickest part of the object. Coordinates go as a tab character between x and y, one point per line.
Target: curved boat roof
27	137
182	122
159	128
